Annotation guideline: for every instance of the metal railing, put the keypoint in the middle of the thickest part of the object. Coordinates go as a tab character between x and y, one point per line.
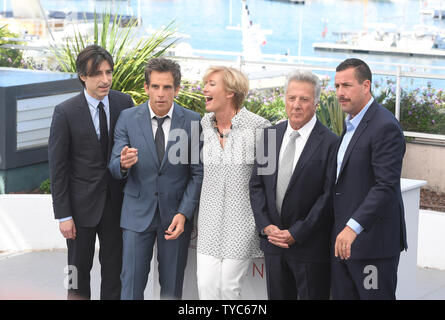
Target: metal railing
310	63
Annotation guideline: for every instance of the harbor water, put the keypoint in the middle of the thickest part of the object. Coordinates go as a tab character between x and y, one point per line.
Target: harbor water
294	28
206	20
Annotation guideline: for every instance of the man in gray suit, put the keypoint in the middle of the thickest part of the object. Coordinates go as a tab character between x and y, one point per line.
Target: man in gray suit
157	149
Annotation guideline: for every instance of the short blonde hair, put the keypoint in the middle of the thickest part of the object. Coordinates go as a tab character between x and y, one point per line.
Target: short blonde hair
234	81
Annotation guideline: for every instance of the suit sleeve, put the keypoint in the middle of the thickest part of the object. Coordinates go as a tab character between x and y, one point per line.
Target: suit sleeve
130	101
387	151
120	141
257	191
59	163
192	192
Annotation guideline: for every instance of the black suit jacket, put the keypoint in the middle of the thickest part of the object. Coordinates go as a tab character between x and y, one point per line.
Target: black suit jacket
368	186
78	171
305	211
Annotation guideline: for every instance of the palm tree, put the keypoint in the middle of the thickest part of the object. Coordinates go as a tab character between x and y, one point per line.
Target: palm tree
130	55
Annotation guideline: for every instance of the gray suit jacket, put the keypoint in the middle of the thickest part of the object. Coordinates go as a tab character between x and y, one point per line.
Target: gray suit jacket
174	184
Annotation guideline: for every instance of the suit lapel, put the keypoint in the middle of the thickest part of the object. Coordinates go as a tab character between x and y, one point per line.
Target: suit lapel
337	147
177	122
358	132
87	120
280	131
144	122
310	147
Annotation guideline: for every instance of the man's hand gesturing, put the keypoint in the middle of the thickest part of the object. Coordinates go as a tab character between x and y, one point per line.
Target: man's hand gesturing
129	156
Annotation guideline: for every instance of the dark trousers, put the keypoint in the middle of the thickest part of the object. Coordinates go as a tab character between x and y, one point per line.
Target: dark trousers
288	278
138	252
373	279
81	254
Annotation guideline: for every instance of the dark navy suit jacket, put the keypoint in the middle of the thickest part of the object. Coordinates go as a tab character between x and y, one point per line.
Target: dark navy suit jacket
368	186
305	211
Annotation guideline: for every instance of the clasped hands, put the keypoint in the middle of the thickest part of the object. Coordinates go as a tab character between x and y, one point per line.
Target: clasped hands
278	237
283	239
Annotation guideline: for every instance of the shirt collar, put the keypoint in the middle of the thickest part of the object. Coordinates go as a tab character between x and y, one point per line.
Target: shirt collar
305	130
354	122
152	114
93	101
237	119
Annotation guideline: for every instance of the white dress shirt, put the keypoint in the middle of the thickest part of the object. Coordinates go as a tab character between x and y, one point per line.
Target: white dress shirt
300	141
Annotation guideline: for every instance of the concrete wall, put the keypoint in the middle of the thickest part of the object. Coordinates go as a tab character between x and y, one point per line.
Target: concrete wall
24	178
431	245
27	223
425	162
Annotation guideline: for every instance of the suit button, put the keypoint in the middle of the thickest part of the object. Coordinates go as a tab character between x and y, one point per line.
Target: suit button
159	173
156	194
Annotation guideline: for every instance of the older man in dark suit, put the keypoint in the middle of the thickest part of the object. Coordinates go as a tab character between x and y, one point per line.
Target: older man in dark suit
290	196
369	228
86	199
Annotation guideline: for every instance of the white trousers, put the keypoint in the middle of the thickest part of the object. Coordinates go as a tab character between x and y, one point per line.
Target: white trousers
220	279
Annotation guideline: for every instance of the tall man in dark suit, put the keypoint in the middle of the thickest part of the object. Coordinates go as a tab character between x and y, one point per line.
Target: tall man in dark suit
291	201
86	199
369	228
158	149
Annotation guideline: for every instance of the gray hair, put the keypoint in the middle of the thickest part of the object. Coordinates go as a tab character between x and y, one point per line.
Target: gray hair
305	76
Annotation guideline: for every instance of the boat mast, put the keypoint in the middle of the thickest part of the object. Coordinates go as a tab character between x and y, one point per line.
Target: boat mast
300	35
365	14
230	13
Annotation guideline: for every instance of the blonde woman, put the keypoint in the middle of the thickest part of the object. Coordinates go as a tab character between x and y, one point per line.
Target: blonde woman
227	238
